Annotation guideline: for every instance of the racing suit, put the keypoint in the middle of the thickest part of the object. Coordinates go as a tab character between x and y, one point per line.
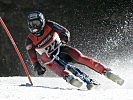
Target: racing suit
46	45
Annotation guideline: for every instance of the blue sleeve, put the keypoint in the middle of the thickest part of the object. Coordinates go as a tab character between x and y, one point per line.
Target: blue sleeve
64	34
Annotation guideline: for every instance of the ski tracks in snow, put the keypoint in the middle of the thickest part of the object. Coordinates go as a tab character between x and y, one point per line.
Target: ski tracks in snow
44	88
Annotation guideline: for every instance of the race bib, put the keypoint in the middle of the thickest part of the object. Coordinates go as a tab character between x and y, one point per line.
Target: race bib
51	47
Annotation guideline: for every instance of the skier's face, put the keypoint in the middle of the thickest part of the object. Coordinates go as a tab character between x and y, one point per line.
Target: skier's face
35	25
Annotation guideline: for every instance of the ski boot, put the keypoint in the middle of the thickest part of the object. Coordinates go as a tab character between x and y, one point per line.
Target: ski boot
89	86
115	78
91	83
73	81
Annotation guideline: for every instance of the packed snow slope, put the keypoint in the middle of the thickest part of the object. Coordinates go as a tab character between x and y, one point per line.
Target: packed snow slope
46	88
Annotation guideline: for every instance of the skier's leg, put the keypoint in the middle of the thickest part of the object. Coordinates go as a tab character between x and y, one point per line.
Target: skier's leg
54	66
80	58
60	71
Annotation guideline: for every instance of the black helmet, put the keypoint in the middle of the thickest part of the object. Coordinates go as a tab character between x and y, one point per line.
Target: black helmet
36	22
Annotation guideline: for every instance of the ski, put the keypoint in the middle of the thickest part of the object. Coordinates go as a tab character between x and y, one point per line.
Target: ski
90	83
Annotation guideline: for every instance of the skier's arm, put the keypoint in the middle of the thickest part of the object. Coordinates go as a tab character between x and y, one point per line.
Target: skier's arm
31	51
33	58
64	34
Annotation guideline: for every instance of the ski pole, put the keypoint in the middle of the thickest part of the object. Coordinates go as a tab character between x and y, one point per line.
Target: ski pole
16	49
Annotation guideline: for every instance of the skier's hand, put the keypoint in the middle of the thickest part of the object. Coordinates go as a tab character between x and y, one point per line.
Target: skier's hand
63	42
40	70
65	37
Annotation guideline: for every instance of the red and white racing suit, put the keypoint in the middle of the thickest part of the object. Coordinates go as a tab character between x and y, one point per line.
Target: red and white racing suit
46	45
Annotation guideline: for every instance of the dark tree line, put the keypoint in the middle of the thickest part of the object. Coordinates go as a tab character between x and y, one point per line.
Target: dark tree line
99	28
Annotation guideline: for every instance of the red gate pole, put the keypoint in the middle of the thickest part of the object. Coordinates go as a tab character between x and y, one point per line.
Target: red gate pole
16	49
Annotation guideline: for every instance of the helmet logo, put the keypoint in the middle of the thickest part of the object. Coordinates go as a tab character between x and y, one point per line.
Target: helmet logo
33	16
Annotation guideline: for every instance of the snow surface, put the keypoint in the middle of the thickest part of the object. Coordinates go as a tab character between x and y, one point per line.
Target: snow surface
48	88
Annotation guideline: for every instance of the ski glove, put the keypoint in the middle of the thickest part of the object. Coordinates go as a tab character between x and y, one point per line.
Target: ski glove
65	37
37	67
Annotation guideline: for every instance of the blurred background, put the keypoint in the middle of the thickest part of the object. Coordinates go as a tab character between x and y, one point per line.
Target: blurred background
102	29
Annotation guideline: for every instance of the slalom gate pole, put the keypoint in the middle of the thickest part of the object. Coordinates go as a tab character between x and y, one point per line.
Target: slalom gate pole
16	49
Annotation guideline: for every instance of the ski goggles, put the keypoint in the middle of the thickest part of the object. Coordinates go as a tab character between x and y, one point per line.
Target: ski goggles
35	23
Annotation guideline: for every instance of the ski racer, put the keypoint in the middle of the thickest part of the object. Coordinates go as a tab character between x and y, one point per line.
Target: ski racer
42	43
